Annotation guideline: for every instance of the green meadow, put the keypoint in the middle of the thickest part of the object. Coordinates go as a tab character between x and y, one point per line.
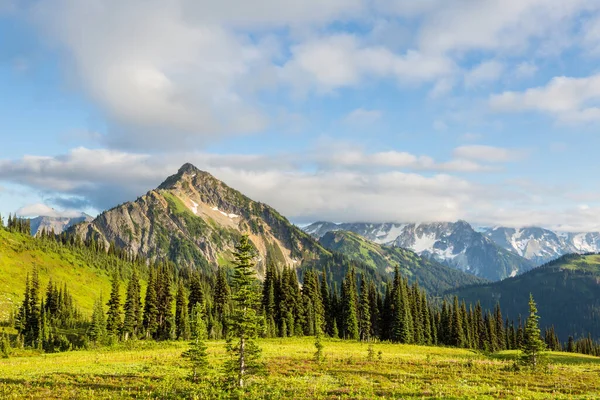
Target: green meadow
156	370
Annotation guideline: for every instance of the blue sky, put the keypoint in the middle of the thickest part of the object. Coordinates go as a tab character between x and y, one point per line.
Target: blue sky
343	110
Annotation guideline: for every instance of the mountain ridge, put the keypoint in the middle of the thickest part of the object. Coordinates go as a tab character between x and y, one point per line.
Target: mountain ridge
455	244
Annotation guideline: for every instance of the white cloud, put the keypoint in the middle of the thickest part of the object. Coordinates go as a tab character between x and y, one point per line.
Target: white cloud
564	97
108	178
341	60
525	70
486	72
488	153
39	209
498	25
362	116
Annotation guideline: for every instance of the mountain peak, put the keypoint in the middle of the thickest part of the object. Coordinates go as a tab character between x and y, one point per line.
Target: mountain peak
186	170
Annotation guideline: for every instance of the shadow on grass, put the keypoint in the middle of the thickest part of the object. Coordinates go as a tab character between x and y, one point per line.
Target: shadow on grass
102	382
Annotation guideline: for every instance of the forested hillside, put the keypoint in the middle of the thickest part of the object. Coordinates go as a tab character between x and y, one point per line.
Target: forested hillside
567	291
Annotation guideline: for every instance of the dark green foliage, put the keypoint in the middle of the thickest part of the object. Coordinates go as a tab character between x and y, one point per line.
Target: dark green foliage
566	291
244	319
350	307
164	303
197	357
182	323
97	329
113	317
533	345
150	321
132	322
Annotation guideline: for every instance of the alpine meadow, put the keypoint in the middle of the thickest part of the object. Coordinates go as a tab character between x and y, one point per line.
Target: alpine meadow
333	199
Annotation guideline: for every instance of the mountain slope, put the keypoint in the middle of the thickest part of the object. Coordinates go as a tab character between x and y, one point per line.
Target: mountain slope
567	292
86	273
542	245
194	219
432	276
56	224
456	244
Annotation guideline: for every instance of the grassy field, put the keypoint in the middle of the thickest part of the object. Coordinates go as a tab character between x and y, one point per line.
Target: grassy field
157	370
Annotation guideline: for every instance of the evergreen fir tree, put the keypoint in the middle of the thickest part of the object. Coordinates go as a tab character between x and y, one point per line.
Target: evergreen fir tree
97	330
533	346
150	320
182	323
133	308
244	319
458	336
349	304
113	316
197	356
365	313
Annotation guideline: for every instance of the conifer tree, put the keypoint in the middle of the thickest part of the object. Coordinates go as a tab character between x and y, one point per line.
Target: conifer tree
222	293
365	313
196	295
244	319
349	307
113	316
533	346
150	321
182	323
164	304
97	330
458	336
133	308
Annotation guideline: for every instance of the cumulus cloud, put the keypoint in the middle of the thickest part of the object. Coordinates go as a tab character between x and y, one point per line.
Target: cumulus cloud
525	70
362	116
42	210
486	72
341	60
568	99
488	153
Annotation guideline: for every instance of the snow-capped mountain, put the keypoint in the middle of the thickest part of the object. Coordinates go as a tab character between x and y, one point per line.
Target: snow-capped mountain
56	224
455	244
542	245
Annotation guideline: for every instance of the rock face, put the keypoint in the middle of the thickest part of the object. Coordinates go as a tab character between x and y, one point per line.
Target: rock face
196	220
55	224
455	244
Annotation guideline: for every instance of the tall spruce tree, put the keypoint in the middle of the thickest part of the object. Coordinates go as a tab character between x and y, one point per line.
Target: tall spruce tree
245	317
365	312
182	323
133	308
97	329
150	320
113	316
533	345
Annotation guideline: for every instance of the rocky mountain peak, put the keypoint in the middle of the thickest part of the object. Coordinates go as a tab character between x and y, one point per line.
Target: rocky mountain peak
187	172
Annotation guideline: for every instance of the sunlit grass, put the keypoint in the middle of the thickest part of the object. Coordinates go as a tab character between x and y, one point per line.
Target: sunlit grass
157	370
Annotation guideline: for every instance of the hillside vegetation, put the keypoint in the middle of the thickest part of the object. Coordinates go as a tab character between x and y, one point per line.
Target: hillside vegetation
567	291
86	272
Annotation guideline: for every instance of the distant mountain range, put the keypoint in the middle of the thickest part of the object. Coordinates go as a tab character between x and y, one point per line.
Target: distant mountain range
431	275
491	253
542	245
56	224
455	244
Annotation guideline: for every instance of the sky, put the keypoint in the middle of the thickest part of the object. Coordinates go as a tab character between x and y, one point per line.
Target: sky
340	110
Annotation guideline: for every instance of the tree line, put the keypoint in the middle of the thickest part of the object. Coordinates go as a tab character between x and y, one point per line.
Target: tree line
177	303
